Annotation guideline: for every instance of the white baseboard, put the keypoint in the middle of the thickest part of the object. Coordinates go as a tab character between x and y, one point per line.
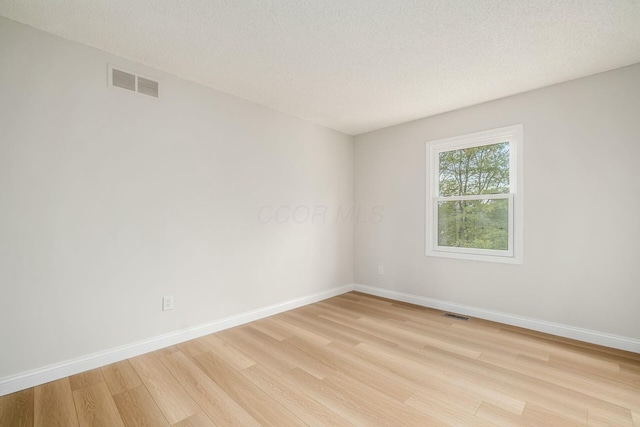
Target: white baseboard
71	367
586	335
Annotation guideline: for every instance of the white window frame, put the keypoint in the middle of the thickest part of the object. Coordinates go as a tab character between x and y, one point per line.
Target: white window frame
512	134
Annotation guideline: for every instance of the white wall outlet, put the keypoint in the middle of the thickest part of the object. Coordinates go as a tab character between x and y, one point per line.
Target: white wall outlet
167	303
380	270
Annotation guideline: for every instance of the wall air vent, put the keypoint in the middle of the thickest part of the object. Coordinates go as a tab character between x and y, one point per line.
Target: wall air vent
455	316
133	82
148	87
123	80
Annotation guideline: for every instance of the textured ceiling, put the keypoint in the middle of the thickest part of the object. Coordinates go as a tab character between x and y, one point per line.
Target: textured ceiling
354	65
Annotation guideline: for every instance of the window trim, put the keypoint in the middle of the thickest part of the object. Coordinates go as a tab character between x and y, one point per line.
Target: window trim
514	135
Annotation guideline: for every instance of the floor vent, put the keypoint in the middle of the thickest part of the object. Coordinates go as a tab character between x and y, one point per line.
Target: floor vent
133	82
455	316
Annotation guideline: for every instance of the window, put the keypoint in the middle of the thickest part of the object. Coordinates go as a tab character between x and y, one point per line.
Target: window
474	209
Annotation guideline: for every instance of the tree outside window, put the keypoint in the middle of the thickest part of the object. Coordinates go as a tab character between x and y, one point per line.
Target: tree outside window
475	195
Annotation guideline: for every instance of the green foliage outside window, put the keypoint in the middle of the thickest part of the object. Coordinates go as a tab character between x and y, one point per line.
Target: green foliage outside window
483	223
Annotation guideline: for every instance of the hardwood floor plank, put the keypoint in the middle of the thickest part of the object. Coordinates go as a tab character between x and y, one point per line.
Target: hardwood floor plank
331	398
293	398
16	409
214	401
240	339
537	415
631	371
524	388
351	329
349	365
445	413
319	326
167	350
565	346
616	393
297	331
192	348
489	343
54	405
367	299
538	392
284	351
121	377
591	362
86	379
324	308
172	399
265	409
595	417
228	353
420	339
465	401
494	383
95	407
137	408
267	327
498	416
196	420
412	366
368	310
387	411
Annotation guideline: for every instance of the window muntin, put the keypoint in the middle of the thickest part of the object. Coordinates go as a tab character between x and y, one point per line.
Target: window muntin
475	206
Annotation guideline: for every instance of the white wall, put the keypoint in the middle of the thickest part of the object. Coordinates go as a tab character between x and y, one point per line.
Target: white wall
581	217
110	200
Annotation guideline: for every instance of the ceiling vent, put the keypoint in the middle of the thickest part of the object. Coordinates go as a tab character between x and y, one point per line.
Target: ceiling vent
133	82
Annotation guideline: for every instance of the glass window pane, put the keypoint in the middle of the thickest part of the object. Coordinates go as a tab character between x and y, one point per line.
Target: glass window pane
475	170
478	224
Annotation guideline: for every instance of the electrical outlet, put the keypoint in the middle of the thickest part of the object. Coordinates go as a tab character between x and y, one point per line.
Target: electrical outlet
380	270
167	303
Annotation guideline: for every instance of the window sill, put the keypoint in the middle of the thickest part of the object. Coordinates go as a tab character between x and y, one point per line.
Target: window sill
475	257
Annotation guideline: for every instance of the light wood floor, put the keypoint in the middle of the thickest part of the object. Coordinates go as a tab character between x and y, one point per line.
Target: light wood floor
349	360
